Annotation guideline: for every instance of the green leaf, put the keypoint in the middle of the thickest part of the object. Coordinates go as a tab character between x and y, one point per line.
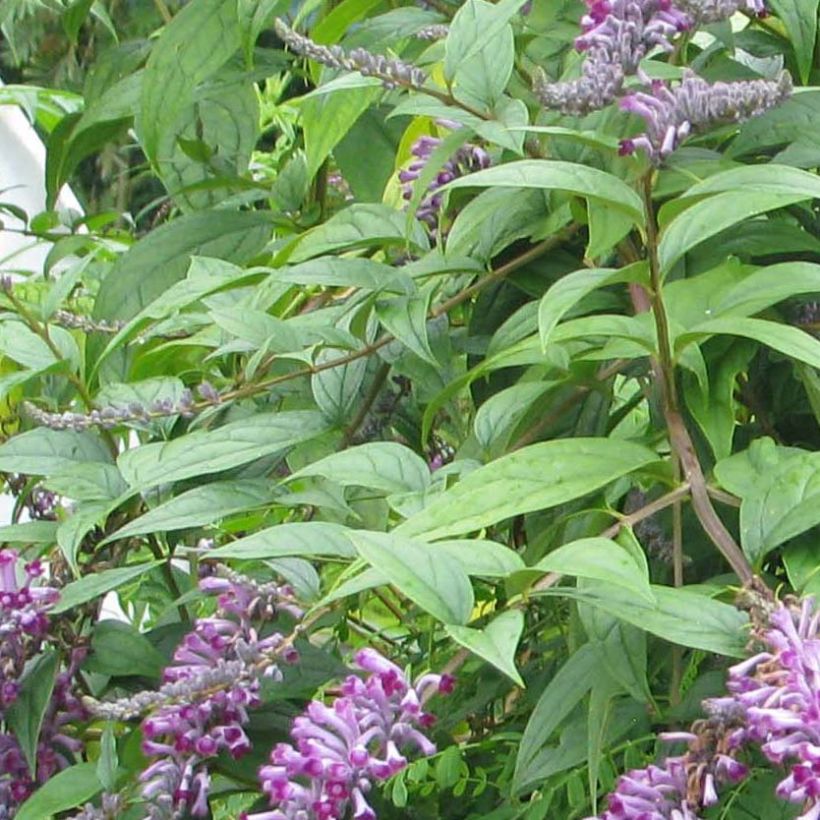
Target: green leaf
572	288
429	578
311	538
118	648
358	226
326	120
679	615
495	643
380	465
160	259
25	715
93	586
92	481
199	506
350	272
784	502
533	478
336	389
65	790
210	451
108	762
480	78
30	532
473	28
406	318
482	558
561	176
199	40
43	451
601	559
84	518
770	178
711	216
789	340
800	19
564	691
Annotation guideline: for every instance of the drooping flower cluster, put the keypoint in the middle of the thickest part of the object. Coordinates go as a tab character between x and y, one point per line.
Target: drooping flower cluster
343	748
465	160
390	71
214	680
618	34
779	691
134	412
672	113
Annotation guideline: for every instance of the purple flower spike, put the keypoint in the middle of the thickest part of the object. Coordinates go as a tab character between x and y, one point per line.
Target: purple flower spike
203	705
342	749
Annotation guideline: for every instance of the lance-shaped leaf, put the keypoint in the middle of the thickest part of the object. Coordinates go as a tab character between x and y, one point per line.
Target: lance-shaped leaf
496	643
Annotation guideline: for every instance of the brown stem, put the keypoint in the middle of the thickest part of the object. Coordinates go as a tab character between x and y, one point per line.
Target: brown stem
701	503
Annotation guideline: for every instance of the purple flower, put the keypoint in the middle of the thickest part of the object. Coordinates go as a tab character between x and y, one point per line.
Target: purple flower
23	620
213	682
342	749
671	114
56	746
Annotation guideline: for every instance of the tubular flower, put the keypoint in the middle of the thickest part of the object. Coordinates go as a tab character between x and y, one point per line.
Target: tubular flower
778	691
204	719
343	748
671	114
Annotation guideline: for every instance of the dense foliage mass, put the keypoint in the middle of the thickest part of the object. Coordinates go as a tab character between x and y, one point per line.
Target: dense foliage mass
421	421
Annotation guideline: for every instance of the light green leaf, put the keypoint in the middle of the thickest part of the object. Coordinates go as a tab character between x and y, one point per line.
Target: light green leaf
380	465
533	478
711	216
429	578
478	557
333	271
572	288
210	451
800	19
199	506
679	615
406	318
92	481
789	340
43	451
311	538
93	586
770	178
30	532
65	790
580	180
784	502
495	643
358	226
472	30
600	559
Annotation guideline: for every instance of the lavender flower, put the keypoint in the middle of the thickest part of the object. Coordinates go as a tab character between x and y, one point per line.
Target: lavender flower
672	114
74	321
343	748
466	160
711	11
207	692
777	690
616	36
391	72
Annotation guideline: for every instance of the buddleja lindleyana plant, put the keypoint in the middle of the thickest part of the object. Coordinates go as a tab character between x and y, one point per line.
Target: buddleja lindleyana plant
430	431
